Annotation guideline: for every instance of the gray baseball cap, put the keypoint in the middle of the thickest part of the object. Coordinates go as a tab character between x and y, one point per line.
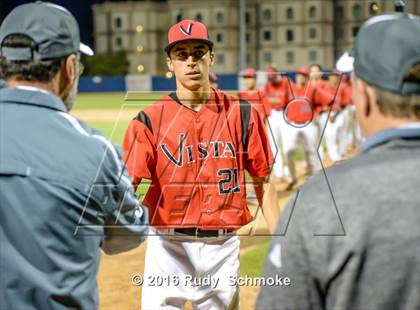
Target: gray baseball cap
386	47
51	26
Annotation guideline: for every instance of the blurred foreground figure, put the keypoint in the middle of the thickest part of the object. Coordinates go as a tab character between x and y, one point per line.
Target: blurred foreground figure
359	247
64	193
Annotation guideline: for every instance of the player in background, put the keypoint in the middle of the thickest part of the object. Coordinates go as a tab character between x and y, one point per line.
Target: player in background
335	123
316	74
352	136
213	80
254	95
276	95
195	145
302	126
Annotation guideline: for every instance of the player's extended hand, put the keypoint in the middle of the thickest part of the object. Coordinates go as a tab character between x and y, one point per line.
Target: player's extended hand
268	200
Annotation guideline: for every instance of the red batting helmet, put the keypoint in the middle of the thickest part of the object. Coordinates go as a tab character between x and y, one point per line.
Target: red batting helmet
187	30
249	72
303	70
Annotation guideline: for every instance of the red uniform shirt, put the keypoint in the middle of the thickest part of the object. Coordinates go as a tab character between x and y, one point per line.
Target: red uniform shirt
258	101
276	94
196	160
339	96
304	103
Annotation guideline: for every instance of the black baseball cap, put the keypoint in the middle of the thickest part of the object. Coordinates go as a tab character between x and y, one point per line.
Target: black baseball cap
52	27
386	47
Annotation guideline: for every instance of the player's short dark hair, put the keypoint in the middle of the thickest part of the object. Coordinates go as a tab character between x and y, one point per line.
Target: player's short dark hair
316	65
24	70
398	105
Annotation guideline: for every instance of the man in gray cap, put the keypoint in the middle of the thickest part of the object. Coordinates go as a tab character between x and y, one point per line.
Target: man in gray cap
359	247
64	191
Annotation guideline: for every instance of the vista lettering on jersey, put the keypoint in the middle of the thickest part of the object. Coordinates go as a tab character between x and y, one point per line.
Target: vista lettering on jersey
196	160
201	151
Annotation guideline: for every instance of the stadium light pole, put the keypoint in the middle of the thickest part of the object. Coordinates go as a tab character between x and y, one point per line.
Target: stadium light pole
242	38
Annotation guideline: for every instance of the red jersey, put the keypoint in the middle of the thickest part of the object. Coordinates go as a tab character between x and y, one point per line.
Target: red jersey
257	100
196	160
276	94
304	103
340	96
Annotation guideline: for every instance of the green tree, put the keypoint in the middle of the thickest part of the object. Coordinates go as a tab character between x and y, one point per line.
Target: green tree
106	64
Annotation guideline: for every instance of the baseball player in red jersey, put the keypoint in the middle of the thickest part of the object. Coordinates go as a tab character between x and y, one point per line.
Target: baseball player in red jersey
254	95
276	95
303	128
335	122
316	75
195	145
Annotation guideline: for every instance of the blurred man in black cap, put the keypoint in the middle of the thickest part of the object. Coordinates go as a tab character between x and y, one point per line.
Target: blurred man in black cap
359	247
64	192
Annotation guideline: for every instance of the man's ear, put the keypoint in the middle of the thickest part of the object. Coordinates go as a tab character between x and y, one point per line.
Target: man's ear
211	58
372	99
70	67
365	102
67	73
169	64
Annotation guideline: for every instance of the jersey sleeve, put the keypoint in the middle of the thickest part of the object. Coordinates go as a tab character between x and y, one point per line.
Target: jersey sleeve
258	155
323	97
139	148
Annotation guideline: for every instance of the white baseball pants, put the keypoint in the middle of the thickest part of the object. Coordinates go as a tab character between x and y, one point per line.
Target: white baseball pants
276	123
193	269
308	138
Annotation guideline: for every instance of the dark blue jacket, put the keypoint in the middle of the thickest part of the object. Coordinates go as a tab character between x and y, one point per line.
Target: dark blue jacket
63	195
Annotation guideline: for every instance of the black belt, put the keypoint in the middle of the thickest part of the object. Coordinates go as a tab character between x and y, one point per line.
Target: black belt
202	233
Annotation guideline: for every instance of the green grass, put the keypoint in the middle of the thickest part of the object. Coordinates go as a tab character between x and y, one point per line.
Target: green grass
114	132
252	261
114	100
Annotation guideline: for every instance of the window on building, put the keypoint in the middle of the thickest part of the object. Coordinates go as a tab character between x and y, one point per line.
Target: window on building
248	37
313	55
118	22
199	17
289	13
219	37
355	30
267	35
340	33
266	15
312	33
290	57
357	11
220	59
247	18
290	35
220	18
267	57
118	42
178	17
312	11
339	12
